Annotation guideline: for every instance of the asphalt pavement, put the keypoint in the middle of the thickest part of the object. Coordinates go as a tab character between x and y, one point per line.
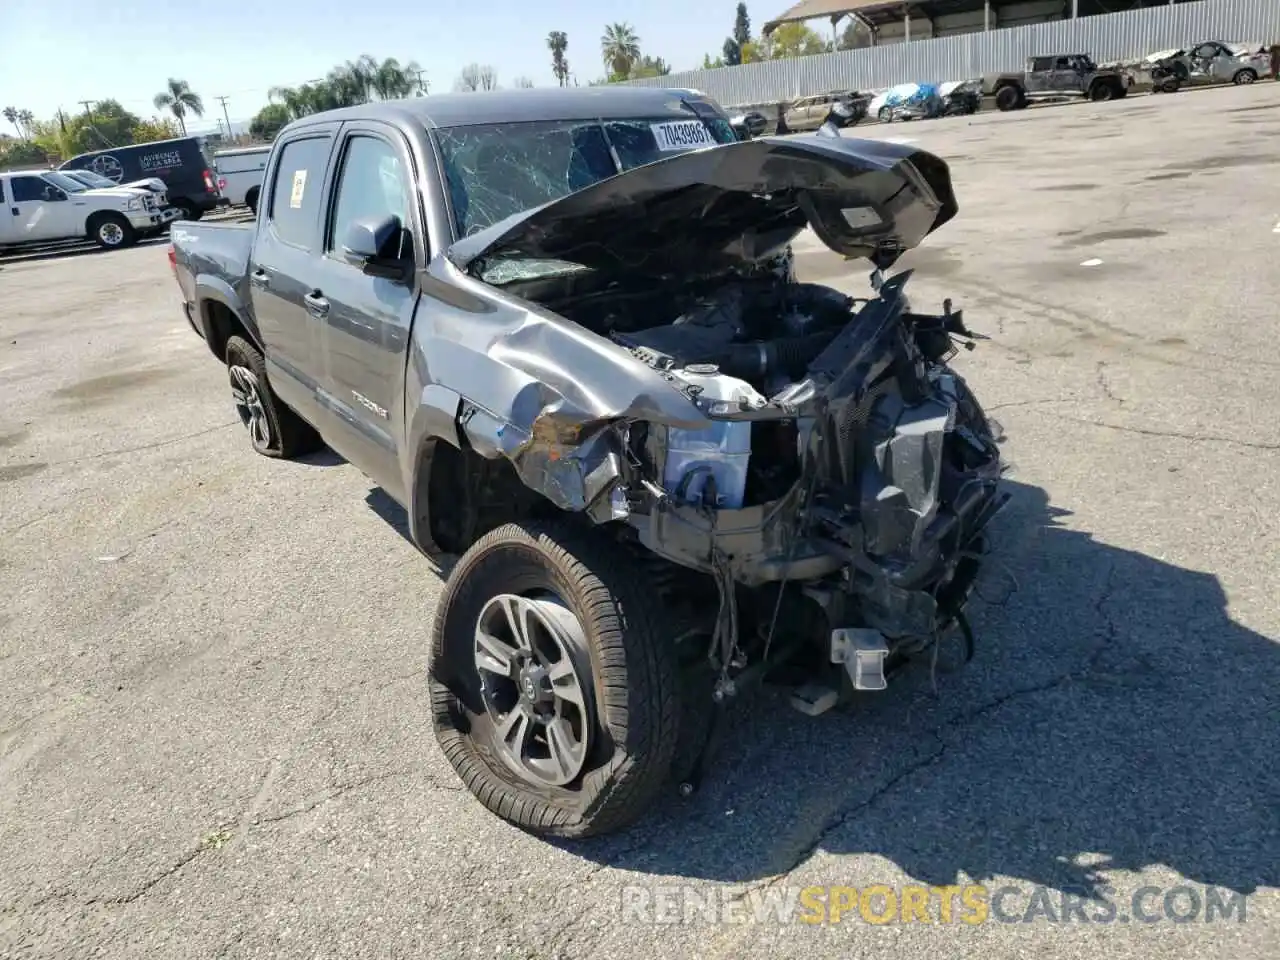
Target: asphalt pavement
214	730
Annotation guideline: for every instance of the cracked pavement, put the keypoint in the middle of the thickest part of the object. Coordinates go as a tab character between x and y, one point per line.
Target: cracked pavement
214	734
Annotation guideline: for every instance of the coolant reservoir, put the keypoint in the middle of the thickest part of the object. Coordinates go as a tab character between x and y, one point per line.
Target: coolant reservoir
722	451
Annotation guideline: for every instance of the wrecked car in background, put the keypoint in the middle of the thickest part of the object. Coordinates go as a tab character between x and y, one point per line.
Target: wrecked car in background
1213	61
550	324
1056	76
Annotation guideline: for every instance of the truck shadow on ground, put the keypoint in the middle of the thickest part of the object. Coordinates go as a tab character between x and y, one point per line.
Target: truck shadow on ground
1115	717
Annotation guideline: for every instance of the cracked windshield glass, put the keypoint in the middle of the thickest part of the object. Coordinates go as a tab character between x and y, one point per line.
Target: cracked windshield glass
495	171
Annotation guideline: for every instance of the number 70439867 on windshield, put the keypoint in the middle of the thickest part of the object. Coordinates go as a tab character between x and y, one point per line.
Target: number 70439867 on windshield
682	135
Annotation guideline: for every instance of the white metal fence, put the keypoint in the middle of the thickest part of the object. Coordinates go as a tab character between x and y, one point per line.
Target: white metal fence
1113	36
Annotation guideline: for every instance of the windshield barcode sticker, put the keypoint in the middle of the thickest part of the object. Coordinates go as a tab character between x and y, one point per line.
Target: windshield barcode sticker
682	135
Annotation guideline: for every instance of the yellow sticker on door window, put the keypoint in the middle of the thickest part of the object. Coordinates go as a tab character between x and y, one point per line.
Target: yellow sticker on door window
299	185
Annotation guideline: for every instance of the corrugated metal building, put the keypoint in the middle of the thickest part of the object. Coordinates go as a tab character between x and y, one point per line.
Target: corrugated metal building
962	48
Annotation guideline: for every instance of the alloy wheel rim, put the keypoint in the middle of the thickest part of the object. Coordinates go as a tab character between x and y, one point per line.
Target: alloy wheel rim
111	234
248	399
532	686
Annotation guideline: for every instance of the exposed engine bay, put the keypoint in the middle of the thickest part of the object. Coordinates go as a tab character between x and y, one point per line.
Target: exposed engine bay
848	474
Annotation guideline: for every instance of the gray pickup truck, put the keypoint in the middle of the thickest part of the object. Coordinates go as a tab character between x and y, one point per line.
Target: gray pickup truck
1055	77
551	324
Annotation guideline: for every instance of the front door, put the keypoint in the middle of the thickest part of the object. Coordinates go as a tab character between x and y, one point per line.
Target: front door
366	327
282	270
39	210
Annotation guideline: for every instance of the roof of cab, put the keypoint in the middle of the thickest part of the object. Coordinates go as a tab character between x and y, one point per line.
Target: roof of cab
513	106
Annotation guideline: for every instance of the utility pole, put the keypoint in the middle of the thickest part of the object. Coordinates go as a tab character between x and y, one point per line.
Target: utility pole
88	107
422	84
223	101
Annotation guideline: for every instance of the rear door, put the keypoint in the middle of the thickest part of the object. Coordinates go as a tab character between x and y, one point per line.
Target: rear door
367	319
285	262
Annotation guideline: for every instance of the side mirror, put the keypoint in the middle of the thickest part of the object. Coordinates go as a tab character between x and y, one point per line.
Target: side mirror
53	194
374	244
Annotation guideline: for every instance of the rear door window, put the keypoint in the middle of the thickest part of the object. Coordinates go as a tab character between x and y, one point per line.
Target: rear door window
297	189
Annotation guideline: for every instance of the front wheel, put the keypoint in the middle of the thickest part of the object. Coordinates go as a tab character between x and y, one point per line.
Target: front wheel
1101	92
885	115
554	690
111	231
251	201
274	430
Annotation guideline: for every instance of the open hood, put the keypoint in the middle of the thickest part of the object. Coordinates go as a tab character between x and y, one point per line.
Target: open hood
727	205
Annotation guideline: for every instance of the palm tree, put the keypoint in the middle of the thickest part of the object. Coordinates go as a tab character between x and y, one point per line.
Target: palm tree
11	114
558	43
179	99
620	48
28	121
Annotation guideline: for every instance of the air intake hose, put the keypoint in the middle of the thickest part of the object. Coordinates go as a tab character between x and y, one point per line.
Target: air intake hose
748	361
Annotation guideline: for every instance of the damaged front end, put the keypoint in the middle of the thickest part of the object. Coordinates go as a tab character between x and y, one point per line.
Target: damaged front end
811	456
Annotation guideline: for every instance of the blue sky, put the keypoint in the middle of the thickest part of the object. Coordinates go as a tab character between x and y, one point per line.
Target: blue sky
52	55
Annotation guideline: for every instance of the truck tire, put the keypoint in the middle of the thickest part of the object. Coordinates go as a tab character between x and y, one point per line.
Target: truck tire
1244	77
1101	92
111	231
251	200
274	430
1008	98
547	632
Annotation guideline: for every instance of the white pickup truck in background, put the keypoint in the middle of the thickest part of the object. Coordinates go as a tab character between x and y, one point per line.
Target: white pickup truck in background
240	174
43	206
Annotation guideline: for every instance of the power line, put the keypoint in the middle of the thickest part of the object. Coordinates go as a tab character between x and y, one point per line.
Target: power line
226	116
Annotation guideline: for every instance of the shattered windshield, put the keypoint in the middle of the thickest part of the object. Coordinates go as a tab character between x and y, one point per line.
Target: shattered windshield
495	171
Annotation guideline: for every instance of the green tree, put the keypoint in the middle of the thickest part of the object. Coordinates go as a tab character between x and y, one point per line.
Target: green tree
854	36
558	43
157	128
741	26
649	67
732	52
21	153
793	40
179	99
107	125
620	49
709	64
268	121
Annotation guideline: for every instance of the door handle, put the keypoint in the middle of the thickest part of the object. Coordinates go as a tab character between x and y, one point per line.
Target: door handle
317	305
15	211
259	278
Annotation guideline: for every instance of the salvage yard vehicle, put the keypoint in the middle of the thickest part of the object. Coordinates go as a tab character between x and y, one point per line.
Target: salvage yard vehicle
181	163
1055	76
43	206
809	113
1213	61
538	320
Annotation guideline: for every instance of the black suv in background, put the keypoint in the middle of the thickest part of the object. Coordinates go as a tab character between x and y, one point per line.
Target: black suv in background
181	163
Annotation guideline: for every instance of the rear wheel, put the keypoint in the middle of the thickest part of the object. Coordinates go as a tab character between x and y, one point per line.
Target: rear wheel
1244	77
885	115
554	691
251	200
111	231
274	430
1008	98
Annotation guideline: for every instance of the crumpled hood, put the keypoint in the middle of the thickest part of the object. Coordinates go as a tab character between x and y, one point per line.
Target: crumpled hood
726	205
